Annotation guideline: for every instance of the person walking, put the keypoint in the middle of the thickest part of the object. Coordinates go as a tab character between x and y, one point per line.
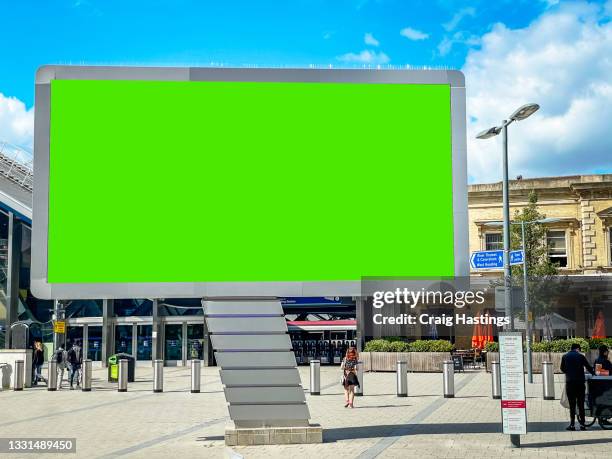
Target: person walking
61	357
38	359
573	364
349	375
75	360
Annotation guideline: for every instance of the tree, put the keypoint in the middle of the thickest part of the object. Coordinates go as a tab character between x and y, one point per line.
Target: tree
544	285
536	250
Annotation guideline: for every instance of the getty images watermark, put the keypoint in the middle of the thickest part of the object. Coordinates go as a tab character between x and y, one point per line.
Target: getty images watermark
423	297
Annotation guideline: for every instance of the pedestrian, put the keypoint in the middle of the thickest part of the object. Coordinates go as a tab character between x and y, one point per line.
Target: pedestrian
75	360
61	357
38	359
602	360
573	364
349	375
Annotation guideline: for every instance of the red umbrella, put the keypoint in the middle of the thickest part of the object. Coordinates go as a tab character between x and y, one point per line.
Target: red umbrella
599	331
477	338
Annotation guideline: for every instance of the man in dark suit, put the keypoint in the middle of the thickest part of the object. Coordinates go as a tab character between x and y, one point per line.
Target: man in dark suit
573	364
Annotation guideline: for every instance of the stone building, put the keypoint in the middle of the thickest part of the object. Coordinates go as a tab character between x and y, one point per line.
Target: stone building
579	240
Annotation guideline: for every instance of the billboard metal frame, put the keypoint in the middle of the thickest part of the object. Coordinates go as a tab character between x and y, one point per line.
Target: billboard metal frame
40	286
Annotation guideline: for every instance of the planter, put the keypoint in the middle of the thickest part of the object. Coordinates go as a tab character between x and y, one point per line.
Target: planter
536	360
430	362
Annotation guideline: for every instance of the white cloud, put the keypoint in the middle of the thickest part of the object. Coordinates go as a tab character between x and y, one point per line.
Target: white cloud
365	57
370	40
461	38
16	121
458	17
560	61
413	34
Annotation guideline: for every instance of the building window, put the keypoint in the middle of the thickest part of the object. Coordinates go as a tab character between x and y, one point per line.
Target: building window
494	241
557	252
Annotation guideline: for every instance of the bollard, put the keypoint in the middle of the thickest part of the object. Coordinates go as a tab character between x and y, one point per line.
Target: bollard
359	388
449	379
158	376
548	381
196	366
18	385
122	380
52	379
86	375
402	379
495	381
315	377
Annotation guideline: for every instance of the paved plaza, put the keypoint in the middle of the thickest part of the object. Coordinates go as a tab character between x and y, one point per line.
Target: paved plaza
179	424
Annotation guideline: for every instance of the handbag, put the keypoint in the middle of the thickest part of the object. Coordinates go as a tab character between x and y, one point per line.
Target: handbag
564	401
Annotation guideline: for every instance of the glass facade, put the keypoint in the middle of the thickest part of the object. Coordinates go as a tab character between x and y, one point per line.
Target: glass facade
173	348
145	341
195	342
123	339
74	335
94	343
3	278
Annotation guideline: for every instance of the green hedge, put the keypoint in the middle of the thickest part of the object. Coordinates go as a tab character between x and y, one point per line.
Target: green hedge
594	343
558	345
386	345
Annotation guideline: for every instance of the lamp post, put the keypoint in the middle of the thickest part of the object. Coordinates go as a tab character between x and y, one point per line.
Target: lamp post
525	288
520	114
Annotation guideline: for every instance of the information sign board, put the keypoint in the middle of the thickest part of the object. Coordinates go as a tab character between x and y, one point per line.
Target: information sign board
513	402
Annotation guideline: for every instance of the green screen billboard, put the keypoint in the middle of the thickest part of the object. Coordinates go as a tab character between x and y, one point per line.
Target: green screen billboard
167	182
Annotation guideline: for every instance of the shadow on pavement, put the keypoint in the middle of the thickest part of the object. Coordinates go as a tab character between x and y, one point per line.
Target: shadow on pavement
558	444
392	430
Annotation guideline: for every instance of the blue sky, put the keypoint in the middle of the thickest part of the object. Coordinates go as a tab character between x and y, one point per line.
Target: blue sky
512	52
238	32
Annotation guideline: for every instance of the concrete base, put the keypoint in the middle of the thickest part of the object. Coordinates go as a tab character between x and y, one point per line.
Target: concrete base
273	435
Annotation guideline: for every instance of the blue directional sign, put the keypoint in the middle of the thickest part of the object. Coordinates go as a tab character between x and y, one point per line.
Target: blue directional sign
494	259
517	257
487	259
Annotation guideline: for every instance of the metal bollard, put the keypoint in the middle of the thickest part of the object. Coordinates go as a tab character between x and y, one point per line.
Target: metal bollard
122	380
52	379
402	379
158	376
315	377
196	366
86	375
449	379
548	381
18	385
495	381
359	388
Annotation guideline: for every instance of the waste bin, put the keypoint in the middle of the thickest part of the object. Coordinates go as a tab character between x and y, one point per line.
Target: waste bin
113	366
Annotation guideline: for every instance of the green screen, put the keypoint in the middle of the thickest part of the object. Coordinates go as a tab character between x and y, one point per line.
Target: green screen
154	181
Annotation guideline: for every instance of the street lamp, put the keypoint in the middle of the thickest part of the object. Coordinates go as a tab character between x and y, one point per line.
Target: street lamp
525	290
519	115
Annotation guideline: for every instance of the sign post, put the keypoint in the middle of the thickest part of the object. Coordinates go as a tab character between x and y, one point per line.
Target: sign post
513	402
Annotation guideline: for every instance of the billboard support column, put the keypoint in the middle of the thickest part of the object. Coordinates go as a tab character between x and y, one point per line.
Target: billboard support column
206	356
12	274
107	345
259	371
155	331
359	304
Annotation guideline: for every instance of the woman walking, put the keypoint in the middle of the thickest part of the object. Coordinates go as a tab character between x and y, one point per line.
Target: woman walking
349	378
